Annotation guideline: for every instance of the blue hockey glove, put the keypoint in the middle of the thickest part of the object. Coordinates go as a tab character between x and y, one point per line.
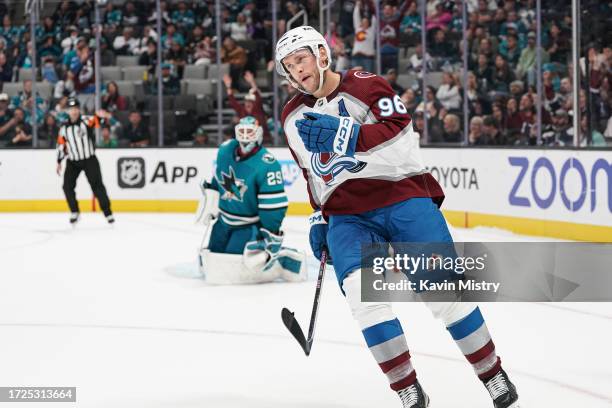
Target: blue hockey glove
327	133
318	234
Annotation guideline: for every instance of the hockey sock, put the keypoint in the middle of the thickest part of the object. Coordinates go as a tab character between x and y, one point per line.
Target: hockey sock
474	340
388	345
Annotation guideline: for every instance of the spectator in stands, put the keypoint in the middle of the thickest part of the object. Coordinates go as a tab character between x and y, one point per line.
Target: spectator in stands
557	45
411	22
410	100
170	82
476	137
389	31
131	17
177	56
107	140
64	13
47	133
236	56
238	30
12	34
562	133
112	15
527	61
172	35
205	52
135	130
69	43
338	48
82	66
149	58
490	128
200	137
183	17
391	77
24	58
5	113
111	100
514	121
126	44
528	127
440	18
484	72
148	34
165	15
597	139
24	100
253	105
517	88
365	36
416	61
449	93
195	36
452	129
510	50
502	76
440	47
6	69
20	132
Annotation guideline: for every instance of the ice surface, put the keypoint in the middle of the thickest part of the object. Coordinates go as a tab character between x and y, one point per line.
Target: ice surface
121	314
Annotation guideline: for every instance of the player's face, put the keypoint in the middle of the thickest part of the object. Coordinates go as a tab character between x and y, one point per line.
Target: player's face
302	66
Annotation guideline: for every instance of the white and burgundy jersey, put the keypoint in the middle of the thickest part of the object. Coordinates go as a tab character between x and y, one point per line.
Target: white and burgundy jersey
387	166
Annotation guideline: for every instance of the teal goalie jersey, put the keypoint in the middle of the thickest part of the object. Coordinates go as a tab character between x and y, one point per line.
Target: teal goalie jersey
251	189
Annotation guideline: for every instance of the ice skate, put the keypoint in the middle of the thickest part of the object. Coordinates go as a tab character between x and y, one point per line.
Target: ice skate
502	391
413	396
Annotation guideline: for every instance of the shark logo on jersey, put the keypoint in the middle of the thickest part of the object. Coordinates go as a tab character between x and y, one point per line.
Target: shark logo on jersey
234	187
329	165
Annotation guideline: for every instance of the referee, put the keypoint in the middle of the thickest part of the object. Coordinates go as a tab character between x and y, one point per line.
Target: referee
76	141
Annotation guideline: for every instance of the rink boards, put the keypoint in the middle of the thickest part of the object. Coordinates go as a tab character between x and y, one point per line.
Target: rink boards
557	193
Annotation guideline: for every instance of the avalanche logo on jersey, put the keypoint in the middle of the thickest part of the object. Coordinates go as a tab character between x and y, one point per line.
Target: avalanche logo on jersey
328	166
234	188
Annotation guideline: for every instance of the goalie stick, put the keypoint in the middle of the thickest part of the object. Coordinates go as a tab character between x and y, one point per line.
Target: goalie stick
289	318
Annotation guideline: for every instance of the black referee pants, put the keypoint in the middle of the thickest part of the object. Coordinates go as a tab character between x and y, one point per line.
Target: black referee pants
91	167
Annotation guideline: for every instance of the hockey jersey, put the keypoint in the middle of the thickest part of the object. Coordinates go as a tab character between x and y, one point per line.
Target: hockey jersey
387	166
251	189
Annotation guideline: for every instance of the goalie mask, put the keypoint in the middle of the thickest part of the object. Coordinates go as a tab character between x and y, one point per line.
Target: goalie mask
249	134
298	38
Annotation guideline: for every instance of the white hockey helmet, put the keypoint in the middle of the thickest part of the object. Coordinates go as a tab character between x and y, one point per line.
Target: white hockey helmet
249	133
296	39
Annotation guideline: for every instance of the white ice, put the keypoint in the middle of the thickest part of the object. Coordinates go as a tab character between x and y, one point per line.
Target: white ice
121	314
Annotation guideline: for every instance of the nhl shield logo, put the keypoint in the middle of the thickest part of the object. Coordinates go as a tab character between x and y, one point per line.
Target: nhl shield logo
131	172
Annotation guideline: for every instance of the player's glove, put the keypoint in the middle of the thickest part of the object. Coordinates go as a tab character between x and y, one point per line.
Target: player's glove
327	133
318	234
272	242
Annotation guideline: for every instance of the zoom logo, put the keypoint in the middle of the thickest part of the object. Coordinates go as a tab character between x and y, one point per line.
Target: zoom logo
544	197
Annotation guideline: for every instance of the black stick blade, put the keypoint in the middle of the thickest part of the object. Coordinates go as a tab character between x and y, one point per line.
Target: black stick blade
294	328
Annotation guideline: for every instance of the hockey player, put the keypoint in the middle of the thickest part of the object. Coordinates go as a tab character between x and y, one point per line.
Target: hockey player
247	199
353	138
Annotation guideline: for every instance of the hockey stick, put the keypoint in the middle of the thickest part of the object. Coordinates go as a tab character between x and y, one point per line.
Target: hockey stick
289	318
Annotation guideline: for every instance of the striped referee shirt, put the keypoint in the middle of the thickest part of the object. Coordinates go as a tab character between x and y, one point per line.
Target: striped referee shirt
76	140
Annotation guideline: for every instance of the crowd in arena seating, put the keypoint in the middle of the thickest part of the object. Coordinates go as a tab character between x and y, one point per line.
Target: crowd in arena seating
500	90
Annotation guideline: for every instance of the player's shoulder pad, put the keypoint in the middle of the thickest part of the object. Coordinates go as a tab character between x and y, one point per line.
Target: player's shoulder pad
294	103
227	147
364	85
